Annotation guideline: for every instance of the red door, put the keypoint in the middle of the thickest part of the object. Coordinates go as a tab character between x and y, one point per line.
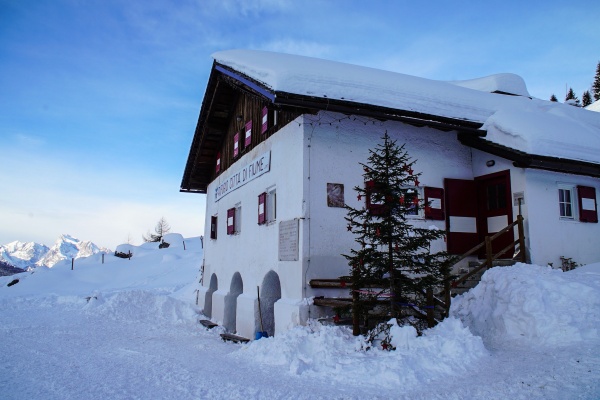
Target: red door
461	215
495	210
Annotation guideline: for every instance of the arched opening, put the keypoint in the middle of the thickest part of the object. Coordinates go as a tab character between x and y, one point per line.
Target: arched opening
212	287
270	292
236	288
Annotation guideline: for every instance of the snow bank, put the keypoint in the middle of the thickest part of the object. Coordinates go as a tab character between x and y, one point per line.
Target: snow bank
318	351
533	304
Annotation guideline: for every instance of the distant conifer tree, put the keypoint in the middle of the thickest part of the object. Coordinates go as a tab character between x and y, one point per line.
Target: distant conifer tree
586	99
553	98
596	84
571	99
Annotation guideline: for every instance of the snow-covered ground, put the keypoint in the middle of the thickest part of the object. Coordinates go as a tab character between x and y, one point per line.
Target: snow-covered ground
129	329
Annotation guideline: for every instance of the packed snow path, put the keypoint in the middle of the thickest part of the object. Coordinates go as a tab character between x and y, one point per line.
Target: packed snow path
58	349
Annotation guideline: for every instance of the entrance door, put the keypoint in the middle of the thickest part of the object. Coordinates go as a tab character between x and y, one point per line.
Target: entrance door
495	210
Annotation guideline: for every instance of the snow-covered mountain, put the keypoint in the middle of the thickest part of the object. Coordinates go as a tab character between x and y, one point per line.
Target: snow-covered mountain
29	255
67	247
22	255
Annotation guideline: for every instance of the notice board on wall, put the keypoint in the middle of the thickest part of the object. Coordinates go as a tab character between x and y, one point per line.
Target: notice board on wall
288	240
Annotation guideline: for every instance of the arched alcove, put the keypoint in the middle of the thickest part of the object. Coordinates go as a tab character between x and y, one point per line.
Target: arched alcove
270	292
236	288
212	287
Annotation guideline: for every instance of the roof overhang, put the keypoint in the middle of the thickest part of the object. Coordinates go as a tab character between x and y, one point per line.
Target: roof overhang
225	85
524	160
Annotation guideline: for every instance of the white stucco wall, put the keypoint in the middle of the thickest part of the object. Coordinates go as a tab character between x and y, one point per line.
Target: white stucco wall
333	157
550	236
547	236
253	252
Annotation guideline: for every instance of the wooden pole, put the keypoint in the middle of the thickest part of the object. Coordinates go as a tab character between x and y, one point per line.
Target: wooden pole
102	258
488	251
430	305
355	316
184	245
521	238
447	297
72	263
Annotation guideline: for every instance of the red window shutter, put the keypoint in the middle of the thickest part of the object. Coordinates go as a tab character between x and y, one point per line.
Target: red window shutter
265	120
231	221
236	144
586	198
213	227
262	212
434	203
248	137
374	208
218	167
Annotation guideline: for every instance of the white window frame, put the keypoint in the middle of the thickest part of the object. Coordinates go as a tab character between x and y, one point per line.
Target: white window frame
421	213
237	228
271	205
572	190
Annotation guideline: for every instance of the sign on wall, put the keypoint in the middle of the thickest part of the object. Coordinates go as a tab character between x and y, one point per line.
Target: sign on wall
252	170
288	240
335	195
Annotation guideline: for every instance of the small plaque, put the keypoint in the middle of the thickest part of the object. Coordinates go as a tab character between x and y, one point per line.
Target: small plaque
288	240
435	203
518	197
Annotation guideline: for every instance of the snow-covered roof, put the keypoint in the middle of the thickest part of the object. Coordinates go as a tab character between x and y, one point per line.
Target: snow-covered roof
519	122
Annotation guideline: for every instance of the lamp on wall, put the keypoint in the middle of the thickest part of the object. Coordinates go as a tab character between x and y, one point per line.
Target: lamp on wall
490	163
239	120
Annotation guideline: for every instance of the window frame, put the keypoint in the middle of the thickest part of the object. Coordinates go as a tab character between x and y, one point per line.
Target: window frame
567	188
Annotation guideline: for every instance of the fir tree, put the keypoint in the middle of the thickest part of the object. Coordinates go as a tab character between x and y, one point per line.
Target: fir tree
553	98
596	84
571	99
393	260
586	99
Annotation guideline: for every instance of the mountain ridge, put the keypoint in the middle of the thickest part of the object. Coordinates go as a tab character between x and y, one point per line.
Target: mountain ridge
29	255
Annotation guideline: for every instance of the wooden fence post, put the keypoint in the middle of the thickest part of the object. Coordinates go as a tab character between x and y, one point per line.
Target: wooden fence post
488	252
521	238
355	316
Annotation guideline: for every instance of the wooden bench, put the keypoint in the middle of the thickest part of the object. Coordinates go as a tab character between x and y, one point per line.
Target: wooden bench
207	324
233	338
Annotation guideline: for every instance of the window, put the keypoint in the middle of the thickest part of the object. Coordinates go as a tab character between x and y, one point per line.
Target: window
565	201
234	220
271	205
267	209
410	199
213	227
238	218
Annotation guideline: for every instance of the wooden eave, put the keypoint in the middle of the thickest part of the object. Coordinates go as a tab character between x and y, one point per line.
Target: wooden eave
225	85
521	159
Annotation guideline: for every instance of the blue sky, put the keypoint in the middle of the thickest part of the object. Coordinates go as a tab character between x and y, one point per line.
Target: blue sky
99	98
